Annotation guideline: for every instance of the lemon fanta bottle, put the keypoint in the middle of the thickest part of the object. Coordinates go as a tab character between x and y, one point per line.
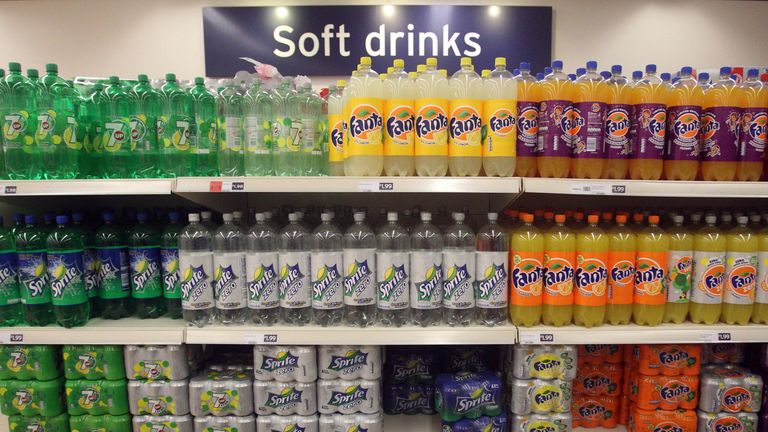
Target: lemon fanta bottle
336	130
527	122
617	141
365	154
709	247
742	246
681	159
526	257
399	135
679	271
431	110
555	115
590	95
760	312
719	133
559	261
465	121
621	272
754	121
500	115
649	122
591	275
651	274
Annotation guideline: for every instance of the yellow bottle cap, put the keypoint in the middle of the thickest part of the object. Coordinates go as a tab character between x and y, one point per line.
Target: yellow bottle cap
341	83
486	73
431	61
390	69
399	63
412	75
382	76
421	68
500	61
444	73
365	61
466	61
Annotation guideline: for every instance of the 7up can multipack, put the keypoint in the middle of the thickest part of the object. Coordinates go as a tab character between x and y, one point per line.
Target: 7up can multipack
168	423
59	423
221	393
91	423
32	398
156	362
93	362
29	362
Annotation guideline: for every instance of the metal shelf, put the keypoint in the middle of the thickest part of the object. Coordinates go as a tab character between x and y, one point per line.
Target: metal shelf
97	187
161	331
639	188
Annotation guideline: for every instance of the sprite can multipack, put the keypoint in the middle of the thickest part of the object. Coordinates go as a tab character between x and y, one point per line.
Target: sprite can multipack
29	362
90	423
97	397
468	395
499	423
93	362
32	398
59	423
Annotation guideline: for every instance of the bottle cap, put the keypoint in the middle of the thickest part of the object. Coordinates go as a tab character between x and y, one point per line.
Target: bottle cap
493	217
592	219
201	81
500	61
616	69
76	217
752	73
560	218
742	220
421	68
426	216
206	214
260	217
390	70
359	216
704	76
143	78
431	61
458	216
18	217
14	67
686	70
607	215
62	219
30	219
725	70
170	77
578	215
326	216
142	216
621	218
398	63
443	73
549	214
710	219
605	74
365	61
382	76
525	67
114	80
392	216
580	71
528	218
227	217
341	83
293	217
650	69
653	219
466	61
557	64
591	65
173	216
485	73
51	68
194	217
636	75
413	75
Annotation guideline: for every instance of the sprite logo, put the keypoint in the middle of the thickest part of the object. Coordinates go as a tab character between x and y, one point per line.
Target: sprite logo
457	282
32	273
478	398
427	288
290	280
493	284
287	398
194	283
284	362
294	428
415	402
107	271
144	270
224	281
264	282
328	281
412	367
351	361
395	283
62	275
358	278
7	273
351	396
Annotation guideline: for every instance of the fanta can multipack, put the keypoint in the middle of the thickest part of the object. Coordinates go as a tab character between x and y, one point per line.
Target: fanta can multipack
730	389
680	420
599	380
595	411
600	354
668	360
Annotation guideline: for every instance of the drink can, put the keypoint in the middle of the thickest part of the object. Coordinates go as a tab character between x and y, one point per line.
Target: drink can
600	353
351	422
147	423
663	392
226	424
595	411
158	398
468	395
722	353
221	393
285	363
498	423
680	420
348	397
349	362
595	380
726	422
552	422
539	396
668	359
97	397
410	364
93	362
730	390
270	423
111	423
29	362
156	362
32	398
409	398
58	423
285	398
545	362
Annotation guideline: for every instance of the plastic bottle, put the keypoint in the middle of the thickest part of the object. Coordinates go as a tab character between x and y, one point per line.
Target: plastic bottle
327	264
365	154
426	293
591	275
740	273
555	117
90	116
492	274
621	272
709	247
458	273
526	258
196	271
113	154
10	300
760	312
22	155
590	95
286	154
229	276
114	287
528	99
313	124
360	293
500	114
719	133
651	274
145	149
206	220
557	274
33	280
399	133
146	273
65	273
335	131
261	264
56	133
295	285
649	121
681	161
753	127
259	117
206	130
393	270
169	259
618	122
431	109
679	276
90	262
230	155
465	121
177	128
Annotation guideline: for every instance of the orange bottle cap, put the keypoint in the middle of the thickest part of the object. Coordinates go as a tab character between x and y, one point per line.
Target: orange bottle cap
549	215
578	215
621	218
560	218
527	218
653	219
592	219
637	217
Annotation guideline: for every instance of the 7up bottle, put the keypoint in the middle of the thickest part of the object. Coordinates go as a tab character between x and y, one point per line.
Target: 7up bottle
10	306
230	109
18	117
145	109
146	277
196	271
115	146
177	130
426	273
56	135
207	129
33	278
65	273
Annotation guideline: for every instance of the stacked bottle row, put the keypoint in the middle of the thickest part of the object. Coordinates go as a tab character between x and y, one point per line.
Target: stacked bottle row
608	271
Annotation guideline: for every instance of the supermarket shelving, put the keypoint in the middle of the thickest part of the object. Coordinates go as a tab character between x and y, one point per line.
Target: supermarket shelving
93	187
161	331
640	188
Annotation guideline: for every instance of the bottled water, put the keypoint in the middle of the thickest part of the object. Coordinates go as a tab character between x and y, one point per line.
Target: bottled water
206	128
259	116
393	268
295	296
169	258
492	273
145	147
230	106
360	279
146	276
22	154
56	133
286	130
327	273
177	129
113	278
426	272
261	264
65	274
458	273
229	276
196	269
10	302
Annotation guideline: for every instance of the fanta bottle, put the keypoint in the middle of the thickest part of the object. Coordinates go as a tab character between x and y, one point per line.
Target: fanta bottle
621	272
500	114
651	274
431	109
399	92
719	133
590	96
559	261
649	122
336	130
637	222
591	275
527	122
754	121
365	154
681	160
578	221
606	220
679	273
618	146
465	121
760	312
709	247
526	256
555	115
740	273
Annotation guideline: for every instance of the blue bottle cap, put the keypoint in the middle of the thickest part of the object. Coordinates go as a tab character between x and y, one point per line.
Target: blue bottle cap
142	216
605	74
107	216
752	73
650	69
62	219
18	217
703	76
580	71
665	76
572	77
557	64
616	69
725	70
525	66
547	70
30	219
515	71
686	70
636	75
591	65
174	216
539	76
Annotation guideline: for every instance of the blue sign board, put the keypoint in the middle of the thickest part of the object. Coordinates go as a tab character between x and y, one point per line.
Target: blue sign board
329	40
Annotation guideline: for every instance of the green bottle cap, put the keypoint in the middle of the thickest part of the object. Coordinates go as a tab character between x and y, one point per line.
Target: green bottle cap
143	78
199	81
14	67
2	72
51	68
114	79
170	77
32	73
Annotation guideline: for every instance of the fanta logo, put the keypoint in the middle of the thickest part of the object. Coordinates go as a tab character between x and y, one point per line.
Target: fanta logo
591	277
709	126
364	122
757	127
502	122
736	398
649	276
684	265
594	382
558	276
655	122
623	272
591	409
742	280
712	279
673	390
528	122
727	424
337	136
673	356
466	126
595	349
547	395
548	363
576	121
617	123
563	115
686	125
432	125
667	427
400	123
527	277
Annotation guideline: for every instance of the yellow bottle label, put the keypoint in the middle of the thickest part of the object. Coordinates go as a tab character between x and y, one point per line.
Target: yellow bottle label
399	133
500	128
431	127
466	128
335	138
365	127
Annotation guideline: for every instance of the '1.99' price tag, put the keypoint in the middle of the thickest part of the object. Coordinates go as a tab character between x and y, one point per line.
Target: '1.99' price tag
260	339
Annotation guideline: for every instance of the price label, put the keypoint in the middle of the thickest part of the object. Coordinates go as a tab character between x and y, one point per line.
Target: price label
598	189
226	186
11	338
536	338
716	337
10	190
376	186
261	339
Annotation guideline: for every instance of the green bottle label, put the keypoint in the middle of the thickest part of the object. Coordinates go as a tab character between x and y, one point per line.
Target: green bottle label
65	271
170	262
177	133
73	134
46	129
33	278
116	136
146	280
113	273
208	135
9	286
16	130
91	268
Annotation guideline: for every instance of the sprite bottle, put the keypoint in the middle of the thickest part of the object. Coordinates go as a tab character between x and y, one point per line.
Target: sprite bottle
177	129
146	277
33	279
113	154
112	254
90	261
10	302
65	273
22	156
169	258
145	110
207	129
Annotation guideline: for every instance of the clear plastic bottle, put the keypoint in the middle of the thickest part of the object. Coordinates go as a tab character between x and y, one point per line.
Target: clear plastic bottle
146	276
622	247
559	264
679	275
206	220
207	129
10	301
426	273
259	116
618	125
230	152
286	154
431	110
399	130
196	270
261	264
169	259
719	132
591	275
684	102
465	121
312	127
65	274
752	136
327	263
147	106
360	278
113	278
458	273
500	112
491	280
556	114
22	155
709	248
295	286
590	96
393	269
760	311
229	276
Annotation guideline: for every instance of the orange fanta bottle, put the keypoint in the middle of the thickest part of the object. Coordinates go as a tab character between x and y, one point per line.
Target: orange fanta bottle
649	121
590	96
618	147
555	115
527	122
754	121
719	132
681	160
591	275
651	274
526	256
559	260
621	272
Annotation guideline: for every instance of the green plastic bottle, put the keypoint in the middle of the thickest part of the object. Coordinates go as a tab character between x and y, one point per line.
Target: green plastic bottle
22	156
113	154
169	257
207	130
177	129
114	271
145	110
146	277
90	261
10	300
33	282
65	273
230	154
259	117
90	117
57	126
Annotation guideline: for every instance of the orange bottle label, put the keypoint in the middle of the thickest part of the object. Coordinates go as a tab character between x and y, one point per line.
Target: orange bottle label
621	277
591	279
664	392
669	360
526	278
599	380
651	278
558	277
